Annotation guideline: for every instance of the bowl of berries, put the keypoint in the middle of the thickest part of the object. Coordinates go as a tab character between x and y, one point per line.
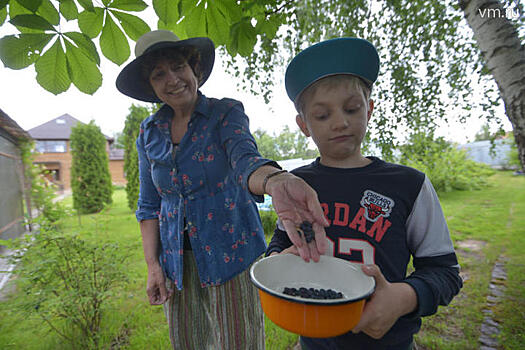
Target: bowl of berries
318	300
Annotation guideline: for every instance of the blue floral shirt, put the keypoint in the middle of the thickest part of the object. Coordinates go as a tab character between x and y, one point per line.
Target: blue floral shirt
203	179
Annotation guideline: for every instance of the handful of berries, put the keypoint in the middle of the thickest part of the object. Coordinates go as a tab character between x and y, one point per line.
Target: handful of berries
306	229
313	293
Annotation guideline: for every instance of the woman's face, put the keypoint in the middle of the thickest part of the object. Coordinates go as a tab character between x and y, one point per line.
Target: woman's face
174	83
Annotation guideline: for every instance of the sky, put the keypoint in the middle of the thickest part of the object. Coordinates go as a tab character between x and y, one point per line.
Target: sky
30	105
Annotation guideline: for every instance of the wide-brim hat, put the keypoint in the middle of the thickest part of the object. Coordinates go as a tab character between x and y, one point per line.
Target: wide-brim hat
331	57
130	81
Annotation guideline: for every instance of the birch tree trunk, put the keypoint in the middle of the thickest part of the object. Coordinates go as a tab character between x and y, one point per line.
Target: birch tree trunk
504	56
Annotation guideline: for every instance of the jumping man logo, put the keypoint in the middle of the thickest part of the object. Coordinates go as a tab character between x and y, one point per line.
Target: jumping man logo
376	205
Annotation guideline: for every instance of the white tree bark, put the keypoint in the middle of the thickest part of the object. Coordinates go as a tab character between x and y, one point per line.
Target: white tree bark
504	56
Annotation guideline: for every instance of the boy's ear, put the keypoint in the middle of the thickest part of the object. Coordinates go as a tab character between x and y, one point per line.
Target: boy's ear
370	109
302	125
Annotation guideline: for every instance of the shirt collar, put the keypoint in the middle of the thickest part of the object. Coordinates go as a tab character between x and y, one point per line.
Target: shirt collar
165	112
203	106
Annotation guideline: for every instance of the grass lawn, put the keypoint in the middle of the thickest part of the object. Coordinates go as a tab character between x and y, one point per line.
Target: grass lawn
493	218
493	221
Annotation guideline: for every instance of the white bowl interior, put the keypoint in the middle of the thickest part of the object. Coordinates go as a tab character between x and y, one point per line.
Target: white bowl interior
288	270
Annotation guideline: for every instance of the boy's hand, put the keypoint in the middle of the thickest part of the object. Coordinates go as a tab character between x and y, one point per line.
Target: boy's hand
295	201
389	302
290	250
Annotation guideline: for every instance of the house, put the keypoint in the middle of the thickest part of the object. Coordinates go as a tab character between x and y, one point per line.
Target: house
52	144
496	156
12	178
116	166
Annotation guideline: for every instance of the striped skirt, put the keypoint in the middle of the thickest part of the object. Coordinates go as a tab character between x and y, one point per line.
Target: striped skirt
226	317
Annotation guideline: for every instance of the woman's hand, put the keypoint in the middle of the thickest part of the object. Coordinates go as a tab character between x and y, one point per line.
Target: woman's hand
156	289
295	201
380	313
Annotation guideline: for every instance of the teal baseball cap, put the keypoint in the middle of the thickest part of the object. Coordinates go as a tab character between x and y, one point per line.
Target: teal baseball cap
335	56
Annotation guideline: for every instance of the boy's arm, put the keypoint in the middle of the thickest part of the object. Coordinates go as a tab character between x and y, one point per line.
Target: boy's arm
380	313
436	278
280	240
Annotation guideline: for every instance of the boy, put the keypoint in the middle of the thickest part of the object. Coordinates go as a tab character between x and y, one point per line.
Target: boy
380	213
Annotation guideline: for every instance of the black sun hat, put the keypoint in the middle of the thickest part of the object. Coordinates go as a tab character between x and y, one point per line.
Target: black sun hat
130	81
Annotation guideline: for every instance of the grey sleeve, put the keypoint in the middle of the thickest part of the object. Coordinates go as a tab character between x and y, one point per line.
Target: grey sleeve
436	278
427	230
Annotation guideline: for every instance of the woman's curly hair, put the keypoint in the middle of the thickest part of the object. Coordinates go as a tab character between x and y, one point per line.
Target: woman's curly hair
187	54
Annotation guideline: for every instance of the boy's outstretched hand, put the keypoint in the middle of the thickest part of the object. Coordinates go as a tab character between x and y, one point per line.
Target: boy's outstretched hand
294	202
389	302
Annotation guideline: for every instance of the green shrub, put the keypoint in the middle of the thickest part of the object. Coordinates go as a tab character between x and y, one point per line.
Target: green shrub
131	166
447	167
68	282
90	178
131	160
268	218
513	157
41	192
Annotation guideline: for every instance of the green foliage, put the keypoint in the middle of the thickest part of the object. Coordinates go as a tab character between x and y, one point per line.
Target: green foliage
486	134
447	167
68	281
90	178
285	145
131	162
268	219
41	192
428	59
73	57
513	155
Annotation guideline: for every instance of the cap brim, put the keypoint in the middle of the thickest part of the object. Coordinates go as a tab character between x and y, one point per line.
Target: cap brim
131	83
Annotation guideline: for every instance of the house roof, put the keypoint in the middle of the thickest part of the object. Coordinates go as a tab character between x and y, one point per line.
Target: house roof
56	129
12	128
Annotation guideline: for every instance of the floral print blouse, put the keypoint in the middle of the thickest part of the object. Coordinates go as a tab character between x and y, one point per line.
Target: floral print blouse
203	179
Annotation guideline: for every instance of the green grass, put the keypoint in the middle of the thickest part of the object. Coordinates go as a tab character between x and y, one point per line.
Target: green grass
131	319
494	215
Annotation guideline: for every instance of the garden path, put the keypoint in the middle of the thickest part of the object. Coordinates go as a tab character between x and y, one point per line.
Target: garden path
490	327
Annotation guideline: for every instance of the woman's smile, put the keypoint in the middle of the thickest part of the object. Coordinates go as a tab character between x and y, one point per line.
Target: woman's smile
178	90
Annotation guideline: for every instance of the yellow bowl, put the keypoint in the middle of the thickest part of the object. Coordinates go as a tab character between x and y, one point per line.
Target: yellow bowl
312	317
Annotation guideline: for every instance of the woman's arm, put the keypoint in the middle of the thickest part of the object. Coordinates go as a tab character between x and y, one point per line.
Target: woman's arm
293	199
148	208
156	285
149	230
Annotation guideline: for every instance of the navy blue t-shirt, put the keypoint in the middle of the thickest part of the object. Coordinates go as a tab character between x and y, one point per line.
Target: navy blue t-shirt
383	214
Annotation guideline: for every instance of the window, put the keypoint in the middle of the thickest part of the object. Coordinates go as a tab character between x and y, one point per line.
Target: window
51	146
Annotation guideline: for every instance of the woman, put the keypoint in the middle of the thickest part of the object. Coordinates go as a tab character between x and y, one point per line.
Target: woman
200	175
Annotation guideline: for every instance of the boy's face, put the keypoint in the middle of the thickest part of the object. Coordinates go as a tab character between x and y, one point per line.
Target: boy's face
336	117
